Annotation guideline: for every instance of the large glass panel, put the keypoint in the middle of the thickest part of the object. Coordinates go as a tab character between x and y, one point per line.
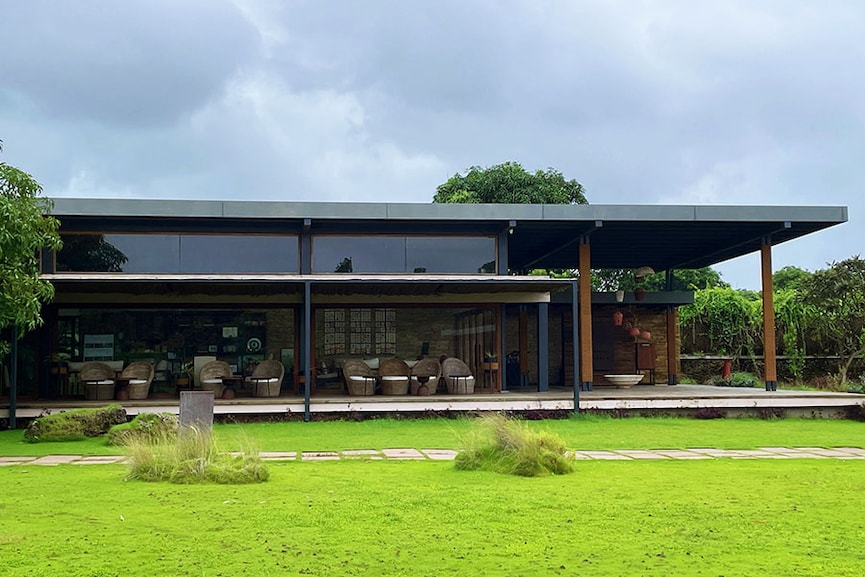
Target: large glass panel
451	254
172	339
409	333
239	253
364	254
399	254
119	253
173	253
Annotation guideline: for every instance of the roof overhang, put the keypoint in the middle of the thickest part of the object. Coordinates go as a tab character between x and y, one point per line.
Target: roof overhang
542	236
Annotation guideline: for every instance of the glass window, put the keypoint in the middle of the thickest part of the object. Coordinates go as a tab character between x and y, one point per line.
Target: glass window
399	254
239	253
173	253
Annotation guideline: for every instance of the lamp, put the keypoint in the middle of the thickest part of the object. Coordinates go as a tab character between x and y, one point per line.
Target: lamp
512	224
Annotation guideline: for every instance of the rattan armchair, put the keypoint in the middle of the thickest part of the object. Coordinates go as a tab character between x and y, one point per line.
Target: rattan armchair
140	375
458	377
359	379
266	379
98	379
394	376
425	376
211	375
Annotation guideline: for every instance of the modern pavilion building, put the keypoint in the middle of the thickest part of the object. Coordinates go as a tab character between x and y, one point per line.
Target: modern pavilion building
312	285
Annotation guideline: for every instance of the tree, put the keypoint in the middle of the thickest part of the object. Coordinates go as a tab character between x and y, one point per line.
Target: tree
24	231
789	277
838	293
683	280
722	321
509	183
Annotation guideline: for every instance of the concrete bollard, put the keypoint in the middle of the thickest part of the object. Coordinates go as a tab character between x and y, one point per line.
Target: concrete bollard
196	411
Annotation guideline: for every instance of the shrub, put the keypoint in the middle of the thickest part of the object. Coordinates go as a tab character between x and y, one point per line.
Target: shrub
828	383
75	425
857	387
709	413
737	379
191	456
506	445
147	425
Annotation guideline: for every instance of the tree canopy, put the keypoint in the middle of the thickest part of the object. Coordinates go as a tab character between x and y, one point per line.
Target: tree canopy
683	280
838	293
790	277
509	183
24	231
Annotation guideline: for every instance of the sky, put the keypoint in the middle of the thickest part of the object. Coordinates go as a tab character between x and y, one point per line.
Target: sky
741	102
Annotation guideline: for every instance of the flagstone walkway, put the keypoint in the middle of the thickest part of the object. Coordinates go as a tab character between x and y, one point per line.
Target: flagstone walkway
851	453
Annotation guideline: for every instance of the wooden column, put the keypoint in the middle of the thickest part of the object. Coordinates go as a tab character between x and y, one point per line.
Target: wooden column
586	369
770	376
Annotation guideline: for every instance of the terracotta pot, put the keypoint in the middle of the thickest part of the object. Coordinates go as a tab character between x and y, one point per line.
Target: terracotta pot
639	293
617	318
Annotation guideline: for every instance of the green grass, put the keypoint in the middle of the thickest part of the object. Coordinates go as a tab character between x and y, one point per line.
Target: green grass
588	432
719	517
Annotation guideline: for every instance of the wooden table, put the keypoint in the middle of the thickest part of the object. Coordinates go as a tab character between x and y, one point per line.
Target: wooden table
231	384
121	388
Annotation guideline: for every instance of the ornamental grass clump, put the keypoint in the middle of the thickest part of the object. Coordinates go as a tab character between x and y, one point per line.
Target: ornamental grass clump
505	445
191	456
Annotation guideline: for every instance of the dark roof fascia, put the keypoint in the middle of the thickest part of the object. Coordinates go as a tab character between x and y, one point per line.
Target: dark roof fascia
467	212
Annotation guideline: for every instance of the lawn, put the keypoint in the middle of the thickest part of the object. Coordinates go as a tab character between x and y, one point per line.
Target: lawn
380	518
585	432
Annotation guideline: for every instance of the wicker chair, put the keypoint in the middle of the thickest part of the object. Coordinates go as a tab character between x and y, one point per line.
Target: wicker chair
428	370
458	377
359	379
211	375
266	379
140	375
394	376
98	379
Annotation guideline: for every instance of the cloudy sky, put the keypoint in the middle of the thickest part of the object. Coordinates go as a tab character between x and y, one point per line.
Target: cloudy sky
642	101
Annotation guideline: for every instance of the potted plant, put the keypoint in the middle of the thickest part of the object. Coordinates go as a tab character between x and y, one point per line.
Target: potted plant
183	378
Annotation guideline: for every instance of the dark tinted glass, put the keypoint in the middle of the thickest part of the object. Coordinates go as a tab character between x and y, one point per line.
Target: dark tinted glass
397	254
172	253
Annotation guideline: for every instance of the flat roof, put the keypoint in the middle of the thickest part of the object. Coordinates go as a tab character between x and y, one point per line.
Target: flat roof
544	236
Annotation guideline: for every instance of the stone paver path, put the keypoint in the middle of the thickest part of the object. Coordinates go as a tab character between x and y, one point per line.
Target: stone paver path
847	453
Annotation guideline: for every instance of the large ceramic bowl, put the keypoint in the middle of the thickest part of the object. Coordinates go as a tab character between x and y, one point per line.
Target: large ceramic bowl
624	381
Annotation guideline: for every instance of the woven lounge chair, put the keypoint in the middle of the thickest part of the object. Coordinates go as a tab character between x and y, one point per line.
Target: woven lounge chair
425	376
358	378
394	375
98	379
266	379
140	375
211	375
458	377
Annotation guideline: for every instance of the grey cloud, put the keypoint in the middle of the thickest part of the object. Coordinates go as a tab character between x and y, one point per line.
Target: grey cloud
124	63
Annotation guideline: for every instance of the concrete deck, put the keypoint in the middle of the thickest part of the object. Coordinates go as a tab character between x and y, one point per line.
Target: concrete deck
643	398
